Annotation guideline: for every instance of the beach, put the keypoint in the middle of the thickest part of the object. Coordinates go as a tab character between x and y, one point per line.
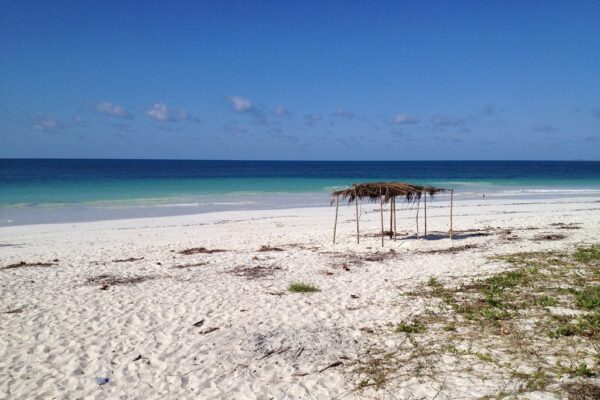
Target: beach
198	306
299	201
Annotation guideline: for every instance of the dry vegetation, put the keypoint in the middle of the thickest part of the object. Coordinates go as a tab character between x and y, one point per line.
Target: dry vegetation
451	250
106	280
255	272
200	250
191	265
534	328
345	260
269	248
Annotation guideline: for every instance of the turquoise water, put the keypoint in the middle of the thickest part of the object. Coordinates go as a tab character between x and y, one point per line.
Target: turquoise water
163	191
73	190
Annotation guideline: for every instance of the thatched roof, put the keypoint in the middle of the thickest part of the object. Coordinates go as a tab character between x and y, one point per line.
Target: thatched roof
373	191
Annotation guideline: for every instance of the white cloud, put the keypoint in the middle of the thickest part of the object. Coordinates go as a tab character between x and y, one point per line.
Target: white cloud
281	111
240	104
113	110
404	119
46	124
160	112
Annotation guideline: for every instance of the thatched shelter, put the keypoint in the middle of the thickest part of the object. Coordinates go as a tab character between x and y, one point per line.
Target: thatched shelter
387	192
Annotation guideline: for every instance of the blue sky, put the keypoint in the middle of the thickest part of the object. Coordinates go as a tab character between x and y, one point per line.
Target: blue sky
300	80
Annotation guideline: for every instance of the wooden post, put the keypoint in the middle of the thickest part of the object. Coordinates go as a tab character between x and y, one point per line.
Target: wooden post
357	230
418	206
425	207
381	212
337	203
394	218
391	217
451	201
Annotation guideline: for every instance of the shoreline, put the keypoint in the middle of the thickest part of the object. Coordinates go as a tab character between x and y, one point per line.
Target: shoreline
23	215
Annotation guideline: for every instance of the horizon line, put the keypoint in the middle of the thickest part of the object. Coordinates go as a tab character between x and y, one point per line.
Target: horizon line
293	160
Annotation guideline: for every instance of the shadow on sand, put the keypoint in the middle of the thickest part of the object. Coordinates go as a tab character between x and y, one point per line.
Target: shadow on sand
444	235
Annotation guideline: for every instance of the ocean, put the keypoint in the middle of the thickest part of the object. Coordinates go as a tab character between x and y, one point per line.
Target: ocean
68	190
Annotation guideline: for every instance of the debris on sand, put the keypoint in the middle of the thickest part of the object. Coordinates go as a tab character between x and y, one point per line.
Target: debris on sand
200	250
508	235
570	226
200	264
550	236
17	310
130	259
208	330
254	272
269	248
106	280
272	352
332	365
357	259
450	250
24	264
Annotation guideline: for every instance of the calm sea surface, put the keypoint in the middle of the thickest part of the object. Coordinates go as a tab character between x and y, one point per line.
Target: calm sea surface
34	191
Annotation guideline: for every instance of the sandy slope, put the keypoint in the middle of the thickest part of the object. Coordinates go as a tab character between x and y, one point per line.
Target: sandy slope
269	343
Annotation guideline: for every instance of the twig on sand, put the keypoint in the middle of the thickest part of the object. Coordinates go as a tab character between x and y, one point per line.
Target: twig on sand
332	365
130	259
272	352
24	264
183	266
15	310
208	330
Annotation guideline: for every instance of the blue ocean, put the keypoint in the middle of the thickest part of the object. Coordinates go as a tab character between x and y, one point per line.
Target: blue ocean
64	190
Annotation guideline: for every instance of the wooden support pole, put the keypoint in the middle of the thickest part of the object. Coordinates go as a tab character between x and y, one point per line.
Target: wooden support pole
394	218
337	203
391	217
418	206
357	230
381	212
451	201
425	216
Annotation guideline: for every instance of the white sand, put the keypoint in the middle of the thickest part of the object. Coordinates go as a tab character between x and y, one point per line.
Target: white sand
71	332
